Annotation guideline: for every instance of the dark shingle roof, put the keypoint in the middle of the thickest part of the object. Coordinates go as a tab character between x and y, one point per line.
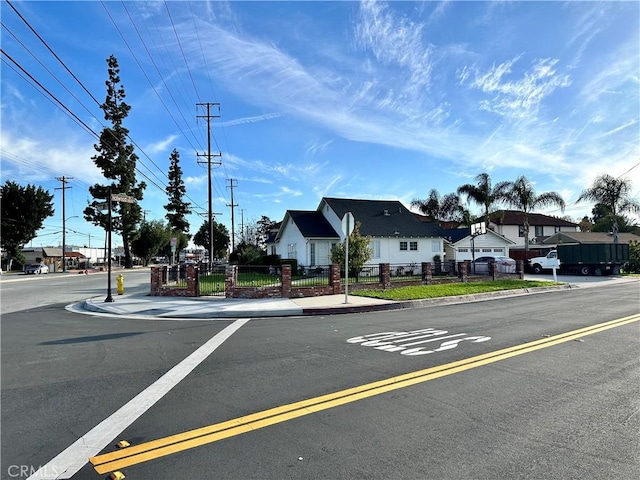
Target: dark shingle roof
514	217
456	234
312	224
382	218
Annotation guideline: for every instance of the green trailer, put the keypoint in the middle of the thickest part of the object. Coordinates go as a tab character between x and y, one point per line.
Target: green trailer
592	258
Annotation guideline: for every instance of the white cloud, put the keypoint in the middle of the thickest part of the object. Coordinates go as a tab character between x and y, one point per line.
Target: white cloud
161	146
516	98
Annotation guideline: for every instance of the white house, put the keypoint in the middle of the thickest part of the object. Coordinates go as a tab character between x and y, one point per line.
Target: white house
460	246
397	236
510	224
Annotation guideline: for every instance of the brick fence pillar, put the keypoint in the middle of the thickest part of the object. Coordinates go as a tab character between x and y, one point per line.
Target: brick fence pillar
463	268
493	266
520	269
157	274
286	281
230	277
427	273
193	281
334	278
385	275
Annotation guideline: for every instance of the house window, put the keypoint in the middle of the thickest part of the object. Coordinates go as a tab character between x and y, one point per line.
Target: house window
273	249
435	246
312	254
403	246
557	229
413	246
498	250
375	247
521	230
463	250
486	250
291	251
539	230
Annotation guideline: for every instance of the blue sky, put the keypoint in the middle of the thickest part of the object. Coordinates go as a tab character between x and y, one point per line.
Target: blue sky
379	100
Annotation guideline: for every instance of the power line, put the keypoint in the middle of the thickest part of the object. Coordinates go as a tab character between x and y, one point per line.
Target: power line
182	51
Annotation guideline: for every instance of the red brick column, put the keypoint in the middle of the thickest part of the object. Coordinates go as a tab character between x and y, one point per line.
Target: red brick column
193	281
230	275
334	278
520	269
494	270
157	274
286	281
463	268
385	275
427	273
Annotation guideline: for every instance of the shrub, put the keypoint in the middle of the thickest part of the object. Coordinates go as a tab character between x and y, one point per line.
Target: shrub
633	265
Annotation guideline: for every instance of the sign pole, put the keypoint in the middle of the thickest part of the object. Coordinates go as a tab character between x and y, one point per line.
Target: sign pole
109	297
346	264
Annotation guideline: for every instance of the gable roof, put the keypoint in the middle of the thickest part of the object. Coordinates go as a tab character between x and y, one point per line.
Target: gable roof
514	217
51	252
454	235
589	237
312	224
382	218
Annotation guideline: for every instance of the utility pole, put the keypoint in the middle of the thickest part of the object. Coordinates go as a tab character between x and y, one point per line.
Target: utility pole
233	223
64	179
208	155
144	215
242	223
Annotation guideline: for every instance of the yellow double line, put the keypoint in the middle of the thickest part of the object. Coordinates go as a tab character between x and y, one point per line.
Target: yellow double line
126	457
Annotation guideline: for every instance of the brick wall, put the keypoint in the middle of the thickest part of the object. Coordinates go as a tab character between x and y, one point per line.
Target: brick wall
161	288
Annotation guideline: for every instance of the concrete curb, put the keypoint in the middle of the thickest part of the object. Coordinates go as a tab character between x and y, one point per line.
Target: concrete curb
433	302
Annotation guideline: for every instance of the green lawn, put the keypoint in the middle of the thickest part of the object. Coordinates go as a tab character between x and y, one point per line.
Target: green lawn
418	292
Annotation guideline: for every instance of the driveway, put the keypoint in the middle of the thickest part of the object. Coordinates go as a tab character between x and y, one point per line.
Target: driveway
582	281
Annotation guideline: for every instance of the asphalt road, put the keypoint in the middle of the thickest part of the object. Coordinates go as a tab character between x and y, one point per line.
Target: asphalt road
19	292
537	405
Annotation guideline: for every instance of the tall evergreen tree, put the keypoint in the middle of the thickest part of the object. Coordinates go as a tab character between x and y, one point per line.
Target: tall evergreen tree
177	209
117	160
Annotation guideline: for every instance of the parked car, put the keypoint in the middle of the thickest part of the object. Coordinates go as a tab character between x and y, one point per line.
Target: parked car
505	264
36	269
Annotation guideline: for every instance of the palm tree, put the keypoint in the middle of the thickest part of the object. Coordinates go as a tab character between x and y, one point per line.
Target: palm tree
521	196
483	194
612	193
442	208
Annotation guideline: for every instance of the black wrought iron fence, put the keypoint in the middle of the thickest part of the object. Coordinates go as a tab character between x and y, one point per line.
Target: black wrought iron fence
311	276
259	276
405	271
367	274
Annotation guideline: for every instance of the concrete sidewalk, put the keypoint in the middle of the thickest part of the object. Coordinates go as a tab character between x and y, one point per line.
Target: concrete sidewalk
144	306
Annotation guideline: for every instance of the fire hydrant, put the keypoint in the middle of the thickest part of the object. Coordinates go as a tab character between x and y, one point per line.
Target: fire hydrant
120	284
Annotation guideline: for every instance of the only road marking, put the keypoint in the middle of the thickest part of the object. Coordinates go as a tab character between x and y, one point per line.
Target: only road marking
144	452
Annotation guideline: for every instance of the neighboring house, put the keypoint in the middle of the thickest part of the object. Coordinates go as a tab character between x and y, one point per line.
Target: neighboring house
589	237
52	257
510	224
397	236
460	246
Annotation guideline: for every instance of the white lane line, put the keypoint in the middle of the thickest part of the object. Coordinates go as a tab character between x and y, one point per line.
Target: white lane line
71	460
